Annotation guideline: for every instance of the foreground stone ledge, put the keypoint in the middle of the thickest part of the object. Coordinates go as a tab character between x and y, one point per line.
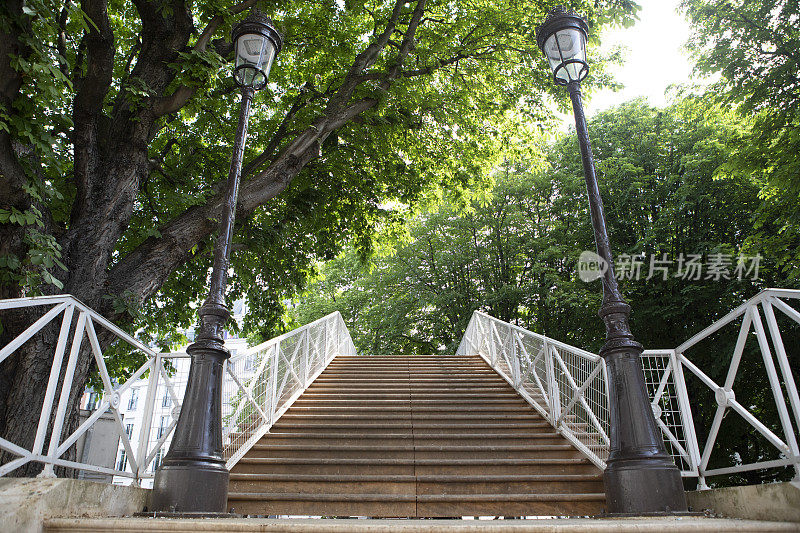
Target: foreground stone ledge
770	501
584	525
26	502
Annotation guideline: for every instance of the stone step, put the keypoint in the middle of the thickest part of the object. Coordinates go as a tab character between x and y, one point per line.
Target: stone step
341	415
406	374
450	427
438	407
411	389
525	504
425	484
348	381
413	450
471	365
399	357
398	505
339	439
680	524
406	395
415	505
411	466
467	365
415	402
323	484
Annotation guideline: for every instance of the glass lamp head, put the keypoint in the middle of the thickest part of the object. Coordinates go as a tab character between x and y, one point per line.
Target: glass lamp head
256	42
562	38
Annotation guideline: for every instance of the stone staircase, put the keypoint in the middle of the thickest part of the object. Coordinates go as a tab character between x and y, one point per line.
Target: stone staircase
413	436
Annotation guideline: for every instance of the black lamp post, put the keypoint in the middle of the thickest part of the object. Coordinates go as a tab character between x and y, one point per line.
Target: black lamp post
193	478
640	477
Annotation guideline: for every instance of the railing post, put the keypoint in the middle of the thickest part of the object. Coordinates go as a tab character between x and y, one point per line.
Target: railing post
147	416
326	340
66	386
338	327
786	371
305	357
52	384
470	338
274	383
685	407
777	391
552	385
492	344
516	371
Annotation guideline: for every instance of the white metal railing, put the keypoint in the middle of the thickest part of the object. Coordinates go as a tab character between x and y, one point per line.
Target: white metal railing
782	384
567	385
284	367
252	400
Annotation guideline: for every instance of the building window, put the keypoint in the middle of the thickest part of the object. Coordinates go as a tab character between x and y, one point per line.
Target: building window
249	363
134	399
162	427
157	459
122	463
129	430
167	400
91	401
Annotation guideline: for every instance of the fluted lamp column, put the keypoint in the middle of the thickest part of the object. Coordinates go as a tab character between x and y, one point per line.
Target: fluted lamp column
193	477
640	477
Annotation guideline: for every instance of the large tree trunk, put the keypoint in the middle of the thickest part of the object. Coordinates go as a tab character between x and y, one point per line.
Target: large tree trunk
111	157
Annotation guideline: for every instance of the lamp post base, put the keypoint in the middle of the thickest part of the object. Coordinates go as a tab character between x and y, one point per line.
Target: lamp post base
193	476
640	477
643	486
191	488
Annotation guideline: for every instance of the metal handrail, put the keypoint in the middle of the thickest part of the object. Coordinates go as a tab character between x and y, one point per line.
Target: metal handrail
288	374
561	382
564	383
287	365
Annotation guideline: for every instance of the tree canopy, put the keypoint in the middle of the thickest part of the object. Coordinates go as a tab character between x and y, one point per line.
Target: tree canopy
515	255
754	47
117	120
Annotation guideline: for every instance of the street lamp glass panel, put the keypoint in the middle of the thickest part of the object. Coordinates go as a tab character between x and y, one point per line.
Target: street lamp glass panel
566	52
254	56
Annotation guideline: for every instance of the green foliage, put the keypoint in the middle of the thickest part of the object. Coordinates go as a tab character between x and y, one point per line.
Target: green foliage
432	136
43	253
755	48
514	255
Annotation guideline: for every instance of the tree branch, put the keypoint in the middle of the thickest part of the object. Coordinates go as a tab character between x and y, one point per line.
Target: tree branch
12	176
61	39
178	99
364	60
299	102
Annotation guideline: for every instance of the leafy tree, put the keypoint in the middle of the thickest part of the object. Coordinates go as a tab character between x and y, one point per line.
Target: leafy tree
515	254
755	49
501	256
115	119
